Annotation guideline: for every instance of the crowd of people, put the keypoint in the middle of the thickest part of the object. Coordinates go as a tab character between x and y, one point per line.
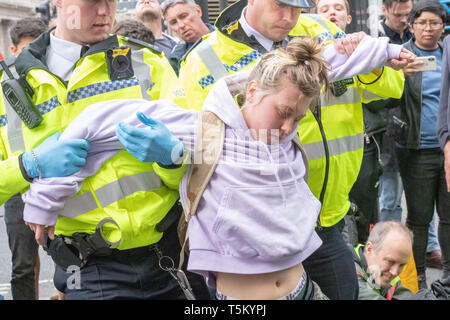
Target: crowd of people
264	157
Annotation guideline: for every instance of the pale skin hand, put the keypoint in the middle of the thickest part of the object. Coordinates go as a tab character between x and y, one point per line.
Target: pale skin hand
406	59
39	231
412	68
349	43
447	164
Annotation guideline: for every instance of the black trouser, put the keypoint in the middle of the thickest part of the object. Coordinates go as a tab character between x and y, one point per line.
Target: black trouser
130	274
423	178
24	250
364	192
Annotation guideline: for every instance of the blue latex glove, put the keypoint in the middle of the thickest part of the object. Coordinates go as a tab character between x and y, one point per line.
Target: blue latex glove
153	144
56	158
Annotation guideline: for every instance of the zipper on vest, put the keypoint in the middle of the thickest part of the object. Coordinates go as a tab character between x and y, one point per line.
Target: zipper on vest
317	116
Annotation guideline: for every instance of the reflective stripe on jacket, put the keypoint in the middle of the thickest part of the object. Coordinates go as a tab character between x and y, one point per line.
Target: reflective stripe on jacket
333	137
135	195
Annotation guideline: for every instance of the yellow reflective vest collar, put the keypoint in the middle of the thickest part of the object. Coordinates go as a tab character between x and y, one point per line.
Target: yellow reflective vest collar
34	55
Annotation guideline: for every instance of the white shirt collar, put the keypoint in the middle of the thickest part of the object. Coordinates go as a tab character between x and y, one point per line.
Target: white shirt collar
266	43
69	50
61	56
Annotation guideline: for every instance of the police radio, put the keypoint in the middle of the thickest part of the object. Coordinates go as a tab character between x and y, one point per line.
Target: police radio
119	63
20	100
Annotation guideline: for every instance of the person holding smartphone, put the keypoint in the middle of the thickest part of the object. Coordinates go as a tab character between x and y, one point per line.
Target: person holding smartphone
421	160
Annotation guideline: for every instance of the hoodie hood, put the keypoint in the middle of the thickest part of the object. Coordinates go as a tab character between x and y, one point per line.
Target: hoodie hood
220	100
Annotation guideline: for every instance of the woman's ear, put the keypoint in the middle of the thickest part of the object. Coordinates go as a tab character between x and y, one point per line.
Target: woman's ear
250	93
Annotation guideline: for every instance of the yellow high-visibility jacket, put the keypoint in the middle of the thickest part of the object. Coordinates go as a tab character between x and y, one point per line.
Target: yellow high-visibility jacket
333	138
333	141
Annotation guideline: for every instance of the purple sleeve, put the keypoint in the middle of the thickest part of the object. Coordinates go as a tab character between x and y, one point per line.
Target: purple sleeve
371	53
97	124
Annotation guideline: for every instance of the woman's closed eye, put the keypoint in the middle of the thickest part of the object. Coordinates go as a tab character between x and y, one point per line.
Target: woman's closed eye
285	113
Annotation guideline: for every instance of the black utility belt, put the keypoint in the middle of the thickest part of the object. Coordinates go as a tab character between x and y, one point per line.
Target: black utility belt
77	249
81	247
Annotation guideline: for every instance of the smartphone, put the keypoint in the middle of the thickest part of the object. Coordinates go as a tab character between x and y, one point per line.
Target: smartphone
429	63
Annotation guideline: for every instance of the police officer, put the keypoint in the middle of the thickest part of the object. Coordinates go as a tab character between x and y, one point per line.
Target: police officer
333	141
116	229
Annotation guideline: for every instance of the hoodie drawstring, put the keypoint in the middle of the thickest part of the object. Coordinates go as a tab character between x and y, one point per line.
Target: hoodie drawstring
290	170
283	194
272	162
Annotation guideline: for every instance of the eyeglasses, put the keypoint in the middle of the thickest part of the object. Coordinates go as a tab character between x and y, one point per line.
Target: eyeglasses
421	25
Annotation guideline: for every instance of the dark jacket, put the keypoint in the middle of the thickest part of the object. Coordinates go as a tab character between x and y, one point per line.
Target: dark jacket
181	49
375	113
387	154
444	102
407	118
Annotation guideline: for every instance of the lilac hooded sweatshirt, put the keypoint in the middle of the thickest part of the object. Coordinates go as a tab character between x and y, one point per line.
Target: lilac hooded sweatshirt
257	214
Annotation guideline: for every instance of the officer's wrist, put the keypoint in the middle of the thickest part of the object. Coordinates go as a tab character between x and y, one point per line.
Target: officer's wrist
177	163
23	170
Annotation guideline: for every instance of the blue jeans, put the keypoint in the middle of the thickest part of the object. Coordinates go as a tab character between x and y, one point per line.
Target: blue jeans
433	243
332	267
391	190
24	250
423	178
129	274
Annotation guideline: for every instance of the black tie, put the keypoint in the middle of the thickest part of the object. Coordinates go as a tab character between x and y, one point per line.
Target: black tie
84	49
277	45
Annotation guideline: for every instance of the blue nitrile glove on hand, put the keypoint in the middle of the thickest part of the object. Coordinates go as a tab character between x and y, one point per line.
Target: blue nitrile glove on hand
153	144
56	158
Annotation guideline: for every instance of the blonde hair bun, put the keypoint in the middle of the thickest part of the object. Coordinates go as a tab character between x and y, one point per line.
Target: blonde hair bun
301	62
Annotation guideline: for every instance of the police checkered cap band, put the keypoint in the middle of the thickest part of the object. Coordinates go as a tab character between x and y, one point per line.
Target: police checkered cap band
299	3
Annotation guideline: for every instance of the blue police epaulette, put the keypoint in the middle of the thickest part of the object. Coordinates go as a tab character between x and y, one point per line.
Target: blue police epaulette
143	44
9	62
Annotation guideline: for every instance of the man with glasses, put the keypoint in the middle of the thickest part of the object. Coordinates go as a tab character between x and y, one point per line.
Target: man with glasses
150	13
420	158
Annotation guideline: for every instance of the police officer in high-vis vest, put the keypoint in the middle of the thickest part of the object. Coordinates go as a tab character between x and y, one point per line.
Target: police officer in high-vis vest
111	237
332	134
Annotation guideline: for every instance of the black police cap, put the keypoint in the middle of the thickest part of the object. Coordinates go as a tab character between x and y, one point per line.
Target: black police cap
299	3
